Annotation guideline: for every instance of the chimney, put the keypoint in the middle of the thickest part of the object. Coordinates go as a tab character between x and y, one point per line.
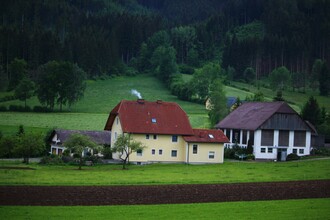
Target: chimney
159	102
140	101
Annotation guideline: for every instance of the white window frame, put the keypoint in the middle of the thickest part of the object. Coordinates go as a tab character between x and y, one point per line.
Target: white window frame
211	155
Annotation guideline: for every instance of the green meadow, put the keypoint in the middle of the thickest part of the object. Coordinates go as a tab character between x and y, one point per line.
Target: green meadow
288	209
101	96
228	172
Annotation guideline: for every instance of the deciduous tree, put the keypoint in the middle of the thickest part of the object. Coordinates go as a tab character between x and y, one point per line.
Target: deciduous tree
25	90
77	144
125	146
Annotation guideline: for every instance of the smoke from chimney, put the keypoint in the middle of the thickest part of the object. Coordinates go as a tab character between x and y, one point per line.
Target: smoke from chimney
136	93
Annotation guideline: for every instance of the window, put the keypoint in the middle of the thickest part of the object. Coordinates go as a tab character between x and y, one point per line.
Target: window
263	150
60	151
294	151
244	137
139	153
160	152
195	147
300	138
301	151
174	153
283	139
211	154
153	120
267	137
147	136
174	138
236	136
155	136
270	150
153	151
117	120
115	135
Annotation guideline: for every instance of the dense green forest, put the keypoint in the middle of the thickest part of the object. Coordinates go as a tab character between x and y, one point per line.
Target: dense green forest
46	46
103	36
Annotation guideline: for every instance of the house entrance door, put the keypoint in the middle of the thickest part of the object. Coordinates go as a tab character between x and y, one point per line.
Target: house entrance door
281	154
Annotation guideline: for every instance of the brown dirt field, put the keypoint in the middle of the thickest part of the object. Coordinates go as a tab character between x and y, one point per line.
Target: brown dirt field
161	194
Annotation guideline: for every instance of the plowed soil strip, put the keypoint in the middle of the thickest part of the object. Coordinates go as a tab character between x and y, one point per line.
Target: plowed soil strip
161	194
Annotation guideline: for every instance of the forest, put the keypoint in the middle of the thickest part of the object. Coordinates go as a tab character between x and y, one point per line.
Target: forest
286	42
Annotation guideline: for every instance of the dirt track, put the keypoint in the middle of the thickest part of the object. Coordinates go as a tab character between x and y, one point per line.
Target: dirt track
131	195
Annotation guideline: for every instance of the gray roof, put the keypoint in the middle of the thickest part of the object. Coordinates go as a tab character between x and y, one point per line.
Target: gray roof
251	115
99	137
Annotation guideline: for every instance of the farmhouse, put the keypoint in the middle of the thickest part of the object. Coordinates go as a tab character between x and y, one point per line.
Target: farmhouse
164	128
59	136
274	130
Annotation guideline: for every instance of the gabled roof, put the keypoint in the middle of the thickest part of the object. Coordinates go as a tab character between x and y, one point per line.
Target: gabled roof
99	137
251	115
206	136
145	117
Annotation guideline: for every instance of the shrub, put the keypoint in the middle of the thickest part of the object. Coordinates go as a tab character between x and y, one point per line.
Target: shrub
292	157
250	157
51	159
107	153
3	108
41	109
18	108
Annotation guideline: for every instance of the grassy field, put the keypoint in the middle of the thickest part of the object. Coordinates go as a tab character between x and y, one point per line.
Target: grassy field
101	96
288	209
229	172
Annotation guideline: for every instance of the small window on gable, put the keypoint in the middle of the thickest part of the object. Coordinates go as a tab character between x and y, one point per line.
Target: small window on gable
154	120
211	136
117	120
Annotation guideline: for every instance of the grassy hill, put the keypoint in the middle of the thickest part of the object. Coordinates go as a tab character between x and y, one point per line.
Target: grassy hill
101	96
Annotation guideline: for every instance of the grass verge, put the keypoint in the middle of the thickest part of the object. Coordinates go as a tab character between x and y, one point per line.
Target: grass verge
229	172
284	209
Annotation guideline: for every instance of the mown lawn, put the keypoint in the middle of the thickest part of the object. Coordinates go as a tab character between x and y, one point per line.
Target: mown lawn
287	209
229	172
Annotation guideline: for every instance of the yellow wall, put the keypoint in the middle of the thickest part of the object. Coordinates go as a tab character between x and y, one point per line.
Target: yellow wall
164	143
203	150
116	130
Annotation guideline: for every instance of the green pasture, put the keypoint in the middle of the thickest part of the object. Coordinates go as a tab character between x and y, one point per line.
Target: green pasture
228	172
101	96
283	209
296	99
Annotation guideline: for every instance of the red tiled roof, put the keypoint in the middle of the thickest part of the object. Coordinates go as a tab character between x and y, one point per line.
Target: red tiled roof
251	115
207	136
144	117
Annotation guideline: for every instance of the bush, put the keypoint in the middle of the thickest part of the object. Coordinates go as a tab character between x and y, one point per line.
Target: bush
41	109
292	157
3	108
321	151
51	159
107	153
185	69
250	157
18	108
